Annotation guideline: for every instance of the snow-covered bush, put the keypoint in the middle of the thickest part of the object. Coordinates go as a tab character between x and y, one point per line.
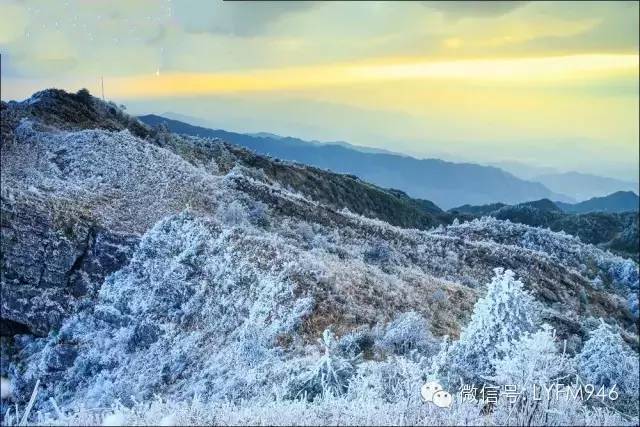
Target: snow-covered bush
258	214
378	253
406	333
534	358
397	379
234	214
360	341
305	231
500	317
625	274
330	376
606	360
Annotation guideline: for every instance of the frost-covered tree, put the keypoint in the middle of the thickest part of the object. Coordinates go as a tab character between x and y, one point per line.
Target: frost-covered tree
607	360
330	376
500	317
532	359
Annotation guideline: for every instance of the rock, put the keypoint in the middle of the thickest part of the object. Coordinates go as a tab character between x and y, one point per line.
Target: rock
52	256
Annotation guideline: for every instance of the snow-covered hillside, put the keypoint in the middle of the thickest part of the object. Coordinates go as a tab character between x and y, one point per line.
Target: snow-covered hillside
154	278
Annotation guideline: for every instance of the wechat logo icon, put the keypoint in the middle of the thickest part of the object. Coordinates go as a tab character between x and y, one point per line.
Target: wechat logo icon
432	392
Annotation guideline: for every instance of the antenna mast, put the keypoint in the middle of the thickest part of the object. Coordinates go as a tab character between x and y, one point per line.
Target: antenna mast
102	86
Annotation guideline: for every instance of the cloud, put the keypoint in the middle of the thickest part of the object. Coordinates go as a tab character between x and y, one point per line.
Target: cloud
475	9
239	19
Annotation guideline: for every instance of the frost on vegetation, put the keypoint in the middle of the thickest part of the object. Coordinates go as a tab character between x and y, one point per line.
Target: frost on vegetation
378	252
620	273
190	314
330	376
533	359
126	182
607	360
499	318
249	381
407	333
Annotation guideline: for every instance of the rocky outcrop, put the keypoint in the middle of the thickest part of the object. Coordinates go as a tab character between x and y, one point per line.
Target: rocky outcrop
52	258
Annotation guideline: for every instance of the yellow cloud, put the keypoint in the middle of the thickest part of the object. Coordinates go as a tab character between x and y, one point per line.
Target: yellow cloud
524	70
453	43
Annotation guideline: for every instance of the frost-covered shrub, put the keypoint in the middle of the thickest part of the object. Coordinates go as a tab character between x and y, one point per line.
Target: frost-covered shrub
360	341
397	379
532	359
234	214
501	316
607	360
258	214
625	274
192	313
330	376
406	333
305	231
378	253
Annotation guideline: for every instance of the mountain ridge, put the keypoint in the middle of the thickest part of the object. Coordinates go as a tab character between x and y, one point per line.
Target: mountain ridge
614	231
445	183
620	201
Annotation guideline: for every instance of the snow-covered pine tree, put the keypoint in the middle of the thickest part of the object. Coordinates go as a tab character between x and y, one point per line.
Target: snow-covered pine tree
606	360
501	316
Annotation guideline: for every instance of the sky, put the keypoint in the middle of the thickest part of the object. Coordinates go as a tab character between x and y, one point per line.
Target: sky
551	84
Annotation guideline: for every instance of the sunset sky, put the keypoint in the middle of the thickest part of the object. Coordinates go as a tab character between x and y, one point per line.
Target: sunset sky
545	83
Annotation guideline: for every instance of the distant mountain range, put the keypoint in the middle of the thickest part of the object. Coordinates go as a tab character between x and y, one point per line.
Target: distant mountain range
610	222
445	183
584	186
620	201
580	186
521	169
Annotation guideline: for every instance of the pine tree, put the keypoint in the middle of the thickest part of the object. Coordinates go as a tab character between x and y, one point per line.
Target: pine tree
499	318
606	360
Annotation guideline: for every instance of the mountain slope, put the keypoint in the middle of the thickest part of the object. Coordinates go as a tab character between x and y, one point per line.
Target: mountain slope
583	186
621	201
446	184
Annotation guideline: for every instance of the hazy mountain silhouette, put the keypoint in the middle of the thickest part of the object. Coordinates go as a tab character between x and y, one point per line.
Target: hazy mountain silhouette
582	186
445	183
620	201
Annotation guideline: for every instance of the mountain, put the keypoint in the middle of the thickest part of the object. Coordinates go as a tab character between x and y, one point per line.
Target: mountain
521	169
620	201
203	123
444	183
583	186
614	231
155	278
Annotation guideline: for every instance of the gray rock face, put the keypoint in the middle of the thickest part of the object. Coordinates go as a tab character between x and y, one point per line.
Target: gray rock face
51	259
